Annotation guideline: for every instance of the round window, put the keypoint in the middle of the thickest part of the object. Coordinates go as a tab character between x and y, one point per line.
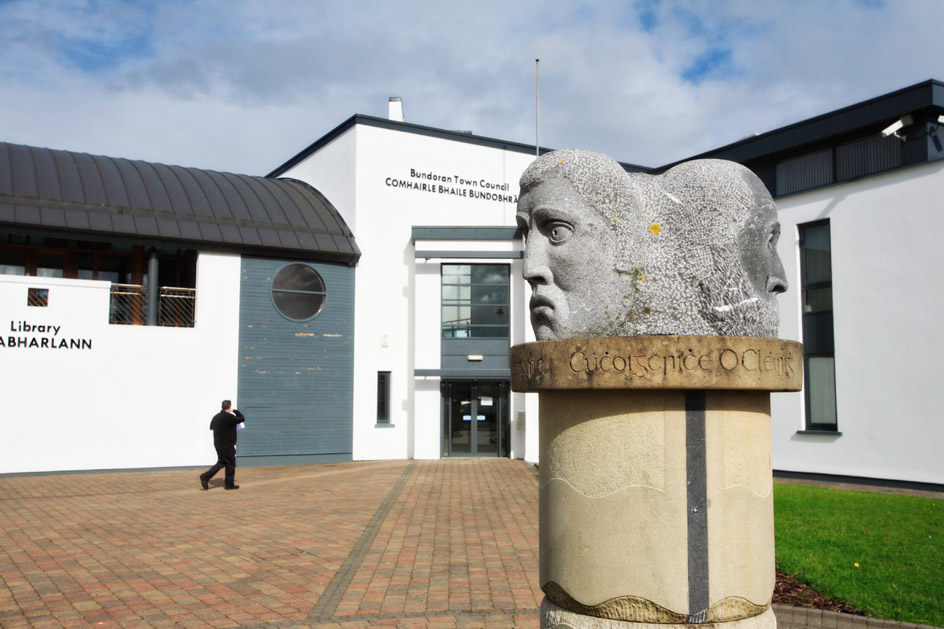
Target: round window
298	292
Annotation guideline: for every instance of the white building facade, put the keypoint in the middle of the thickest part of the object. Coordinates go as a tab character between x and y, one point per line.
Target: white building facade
135	297
434	213
92	403
414	362
858	193
883	419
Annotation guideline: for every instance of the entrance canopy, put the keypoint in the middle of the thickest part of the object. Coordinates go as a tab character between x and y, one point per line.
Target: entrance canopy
65	192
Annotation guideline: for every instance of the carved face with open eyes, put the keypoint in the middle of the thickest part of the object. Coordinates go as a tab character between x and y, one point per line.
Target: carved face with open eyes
567	244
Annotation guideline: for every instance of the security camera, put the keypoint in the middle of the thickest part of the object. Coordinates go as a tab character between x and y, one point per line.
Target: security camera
936	129
892	128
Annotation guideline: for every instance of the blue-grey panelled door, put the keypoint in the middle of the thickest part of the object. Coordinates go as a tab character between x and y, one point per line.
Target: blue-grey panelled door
296	371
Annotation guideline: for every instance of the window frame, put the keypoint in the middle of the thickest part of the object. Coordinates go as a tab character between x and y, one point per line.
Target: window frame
824	345
383	398
323	293
458	302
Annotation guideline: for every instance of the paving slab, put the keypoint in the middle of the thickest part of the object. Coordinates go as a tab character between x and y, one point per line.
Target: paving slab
449	543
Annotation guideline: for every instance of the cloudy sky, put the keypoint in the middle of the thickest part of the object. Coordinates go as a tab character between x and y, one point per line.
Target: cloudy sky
243	85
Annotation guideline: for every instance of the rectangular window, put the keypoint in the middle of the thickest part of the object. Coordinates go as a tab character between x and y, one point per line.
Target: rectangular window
12	262
816	285
50	264
37	297
475	299
383	397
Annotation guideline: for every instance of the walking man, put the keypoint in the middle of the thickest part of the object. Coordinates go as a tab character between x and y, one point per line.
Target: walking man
224	429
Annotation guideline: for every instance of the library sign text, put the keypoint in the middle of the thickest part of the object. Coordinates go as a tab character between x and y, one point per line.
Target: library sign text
26	335
453	185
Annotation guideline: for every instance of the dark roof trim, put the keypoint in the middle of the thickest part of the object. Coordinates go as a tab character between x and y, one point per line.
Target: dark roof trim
77	193
464	374
466	233
473	255
877	112
39	232
406	127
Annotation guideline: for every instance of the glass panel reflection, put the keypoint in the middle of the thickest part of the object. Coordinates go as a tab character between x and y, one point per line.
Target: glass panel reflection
460	419
298	305
298	277
486	425
475	300
818	299
817	266
822	393
12	263
489	274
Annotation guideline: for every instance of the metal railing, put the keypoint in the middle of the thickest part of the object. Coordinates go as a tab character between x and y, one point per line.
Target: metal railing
129	306
176	307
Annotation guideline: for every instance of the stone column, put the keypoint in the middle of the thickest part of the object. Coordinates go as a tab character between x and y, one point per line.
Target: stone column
656	502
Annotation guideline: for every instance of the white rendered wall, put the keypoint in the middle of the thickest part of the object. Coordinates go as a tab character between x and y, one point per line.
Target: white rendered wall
333	167
427	424
886	233
428	320
525	405
397	302
140	397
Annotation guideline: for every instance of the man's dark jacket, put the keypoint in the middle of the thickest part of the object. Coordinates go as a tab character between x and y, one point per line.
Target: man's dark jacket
223	426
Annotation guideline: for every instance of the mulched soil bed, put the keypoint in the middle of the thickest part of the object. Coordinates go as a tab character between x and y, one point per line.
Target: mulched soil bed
789	591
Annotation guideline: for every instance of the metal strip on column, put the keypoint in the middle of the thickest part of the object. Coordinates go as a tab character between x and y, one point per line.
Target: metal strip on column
697	502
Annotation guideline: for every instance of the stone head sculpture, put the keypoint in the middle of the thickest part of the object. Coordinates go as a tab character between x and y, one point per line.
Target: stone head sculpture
726	246
610	253
578	211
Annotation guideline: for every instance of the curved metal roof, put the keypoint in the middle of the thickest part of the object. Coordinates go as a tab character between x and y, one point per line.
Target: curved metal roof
65	191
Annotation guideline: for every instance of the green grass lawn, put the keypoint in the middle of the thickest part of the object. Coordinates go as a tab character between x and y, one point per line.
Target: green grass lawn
882	553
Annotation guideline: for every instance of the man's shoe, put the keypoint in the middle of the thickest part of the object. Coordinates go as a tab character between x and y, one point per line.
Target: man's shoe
232	487
203	482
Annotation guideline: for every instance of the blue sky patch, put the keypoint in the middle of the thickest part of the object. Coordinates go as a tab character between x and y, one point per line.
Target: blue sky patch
646	12
95	57
714	62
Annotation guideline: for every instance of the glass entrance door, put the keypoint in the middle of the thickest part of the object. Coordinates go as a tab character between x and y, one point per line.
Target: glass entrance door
475	420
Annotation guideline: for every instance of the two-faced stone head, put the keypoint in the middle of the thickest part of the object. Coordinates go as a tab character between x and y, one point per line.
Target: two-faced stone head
608	253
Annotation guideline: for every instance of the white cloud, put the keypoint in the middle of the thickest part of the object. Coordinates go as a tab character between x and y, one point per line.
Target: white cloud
243	85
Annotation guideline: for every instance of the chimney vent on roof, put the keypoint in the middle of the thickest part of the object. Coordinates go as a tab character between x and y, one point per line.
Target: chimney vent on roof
395	109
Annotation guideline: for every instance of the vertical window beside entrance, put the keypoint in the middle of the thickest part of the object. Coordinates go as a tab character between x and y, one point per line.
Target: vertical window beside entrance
816	283
383	397
475	300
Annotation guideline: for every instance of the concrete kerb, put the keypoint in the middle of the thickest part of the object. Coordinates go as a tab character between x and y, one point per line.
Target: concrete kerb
789	617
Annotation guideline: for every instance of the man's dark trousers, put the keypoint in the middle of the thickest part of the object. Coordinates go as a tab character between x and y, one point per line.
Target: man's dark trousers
226	457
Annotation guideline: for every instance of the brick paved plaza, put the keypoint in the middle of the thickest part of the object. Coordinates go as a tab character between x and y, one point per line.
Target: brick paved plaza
450	543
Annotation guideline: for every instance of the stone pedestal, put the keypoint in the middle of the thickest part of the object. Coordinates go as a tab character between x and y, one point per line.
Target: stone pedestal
656	503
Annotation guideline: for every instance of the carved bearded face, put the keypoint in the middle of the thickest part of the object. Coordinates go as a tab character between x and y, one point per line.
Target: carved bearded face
569	261
758	244
741	297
